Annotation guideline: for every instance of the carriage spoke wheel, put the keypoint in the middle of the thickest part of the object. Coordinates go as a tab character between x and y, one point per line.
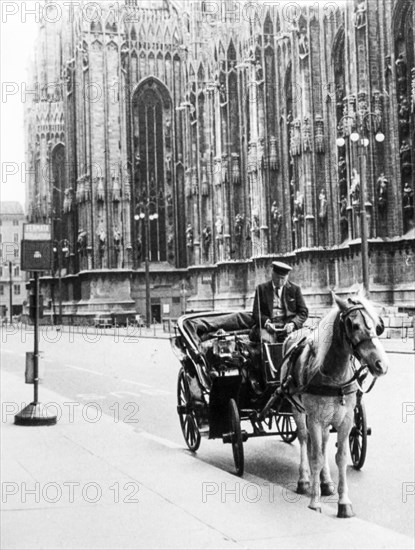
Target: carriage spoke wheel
187	415
286	427
358	436
236	437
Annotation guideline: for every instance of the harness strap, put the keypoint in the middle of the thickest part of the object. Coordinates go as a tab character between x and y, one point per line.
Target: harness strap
331	391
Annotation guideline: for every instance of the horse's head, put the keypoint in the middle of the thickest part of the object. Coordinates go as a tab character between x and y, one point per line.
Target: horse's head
361	327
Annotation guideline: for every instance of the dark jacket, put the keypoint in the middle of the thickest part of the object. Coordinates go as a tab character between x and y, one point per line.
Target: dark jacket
292	302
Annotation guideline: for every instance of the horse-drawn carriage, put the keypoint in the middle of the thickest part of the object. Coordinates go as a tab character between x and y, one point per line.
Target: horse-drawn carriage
231	388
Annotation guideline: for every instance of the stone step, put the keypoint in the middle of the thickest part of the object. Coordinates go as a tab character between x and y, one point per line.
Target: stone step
397	333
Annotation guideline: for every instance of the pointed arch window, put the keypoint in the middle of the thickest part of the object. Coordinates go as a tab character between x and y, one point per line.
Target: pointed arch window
151	107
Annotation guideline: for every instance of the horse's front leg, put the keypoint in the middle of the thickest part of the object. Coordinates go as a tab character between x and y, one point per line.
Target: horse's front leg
316	460
303	484
327	484
345	505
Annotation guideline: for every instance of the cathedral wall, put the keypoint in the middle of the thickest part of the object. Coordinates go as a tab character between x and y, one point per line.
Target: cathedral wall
242	166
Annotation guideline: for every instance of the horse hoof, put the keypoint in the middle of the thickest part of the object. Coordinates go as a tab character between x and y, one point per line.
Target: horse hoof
303	487
318	509
327	489
345	511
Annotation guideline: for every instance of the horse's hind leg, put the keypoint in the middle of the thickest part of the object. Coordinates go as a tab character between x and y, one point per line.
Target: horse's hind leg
345	506
327	484
303	484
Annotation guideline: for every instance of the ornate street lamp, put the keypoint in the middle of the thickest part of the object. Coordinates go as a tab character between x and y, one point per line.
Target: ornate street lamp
360	135
146	218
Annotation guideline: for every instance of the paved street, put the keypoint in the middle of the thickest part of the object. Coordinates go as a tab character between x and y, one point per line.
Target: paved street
134	381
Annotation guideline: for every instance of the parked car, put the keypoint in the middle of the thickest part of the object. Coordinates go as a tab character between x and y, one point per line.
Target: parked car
139	321
103	321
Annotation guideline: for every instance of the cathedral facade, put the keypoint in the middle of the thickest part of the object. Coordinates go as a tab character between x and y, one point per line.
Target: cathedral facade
203	140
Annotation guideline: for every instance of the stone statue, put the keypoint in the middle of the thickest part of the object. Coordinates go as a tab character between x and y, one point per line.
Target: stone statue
124	54
222	93
102	237
382	188
299	206
167	133
239	221
355	187
343	208
219	226
360	14
81	242
405	152
259	73
400	64
403	108
139	249
168	167
189	236
322	212
404	114
206	240
339	95
276	217
344	222
303	49
255	222
117	238
408	198
306	132
85	59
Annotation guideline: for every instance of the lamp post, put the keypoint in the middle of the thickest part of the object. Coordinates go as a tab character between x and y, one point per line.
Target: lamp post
359	136
145	217
60	247
10	265
11	290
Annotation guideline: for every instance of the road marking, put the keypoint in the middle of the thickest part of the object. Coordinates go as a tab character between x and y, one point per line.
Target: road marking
161	440
90	396
135	383
121	393
155	391
85	370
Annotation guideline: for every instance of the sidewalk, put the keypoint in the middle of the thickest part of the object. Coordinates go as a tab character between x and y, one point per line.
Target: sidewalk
105	484
391	345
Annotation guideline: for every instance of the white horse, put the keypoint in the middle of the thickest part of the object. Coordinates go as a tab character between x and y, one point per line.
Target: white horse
323	374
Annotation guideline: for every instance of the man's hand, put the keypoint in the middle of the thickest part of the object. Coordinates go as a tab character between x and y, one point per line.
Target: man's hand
269	327
289	327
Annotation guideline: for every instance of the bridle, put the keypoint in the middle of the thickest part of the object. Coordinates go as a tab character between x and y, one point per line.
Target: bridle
358	375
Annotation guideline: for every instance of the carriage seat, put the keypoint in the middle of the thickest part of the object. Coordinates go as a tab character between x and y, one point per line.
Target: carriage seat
205	328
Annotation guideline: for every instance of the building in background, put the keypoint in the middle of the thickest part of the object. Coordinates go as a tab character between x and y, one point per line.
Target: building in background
204	138
12	279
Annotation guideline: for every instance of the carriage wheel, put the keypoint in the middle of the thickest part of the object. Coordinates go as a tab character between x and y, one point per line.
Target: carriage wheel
187	415
236	437
358	436
287	427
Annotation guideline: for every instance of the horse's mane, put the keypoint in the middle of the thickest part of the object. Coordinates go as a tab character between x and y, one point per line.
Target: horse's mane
321	340
369	307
